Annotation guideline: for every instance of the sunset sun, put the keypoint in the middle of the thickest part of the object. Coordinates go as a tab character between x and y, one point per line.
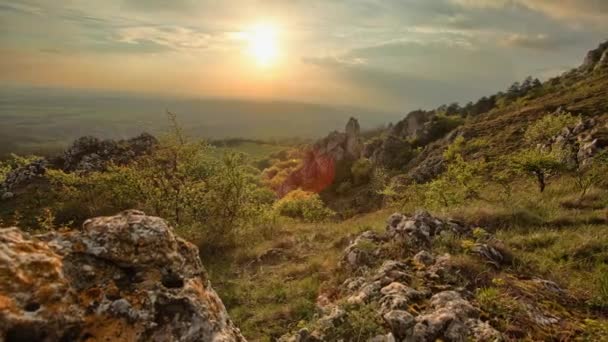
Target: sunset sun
263	44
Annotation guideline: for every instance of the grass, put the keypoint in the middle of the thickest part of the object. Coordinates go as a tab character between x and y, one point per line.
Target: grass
568	245
255	150
267	299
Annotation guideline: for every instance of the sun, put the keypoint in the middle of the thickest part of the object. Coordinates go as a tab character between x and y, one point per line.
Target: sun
263	44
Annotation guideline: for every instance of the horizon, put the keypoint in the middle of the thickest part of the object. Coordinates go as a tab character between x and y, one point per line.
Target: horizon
387	56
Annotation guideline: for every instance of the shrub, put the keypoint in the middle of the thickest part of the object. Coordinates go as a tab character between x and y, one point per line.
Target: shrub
362	171
549	126
461	181
303	205
360	324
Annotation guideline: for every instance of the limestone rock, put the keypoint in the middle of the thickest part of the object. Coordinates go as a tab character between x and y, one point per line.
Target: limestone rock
318	170
22	176
595	58
121	278
421	228
88	154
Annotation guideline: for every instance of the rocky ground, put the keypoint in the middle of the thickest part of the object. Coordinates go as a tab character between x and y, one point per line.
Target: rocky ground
406	292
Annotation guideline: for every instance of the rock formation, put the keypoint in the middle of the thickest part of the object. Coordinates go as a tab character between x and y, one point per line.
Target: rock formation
596	59
121	278
583	141
320	162
21	176
396	149
86	154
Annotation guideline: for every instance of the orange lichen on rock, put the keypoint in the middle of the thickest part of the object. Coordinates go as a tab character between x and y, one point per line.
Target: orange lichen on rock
122	278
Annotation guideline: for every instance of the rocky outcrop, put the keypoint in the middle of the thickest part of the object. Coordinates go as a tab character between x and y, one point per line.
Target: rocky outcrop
596	59
22	176
321	161
395	150
582	141
89	154
86	154
120	278
420	297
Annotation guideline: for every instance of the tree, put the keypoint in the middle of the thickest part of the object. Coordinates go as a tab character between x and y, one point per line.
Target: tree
538	163
591	173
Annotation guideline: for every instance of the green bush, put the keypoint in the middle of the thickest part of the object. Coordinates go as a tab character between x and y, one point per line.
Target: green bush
462	180
549	126
303	205
362	171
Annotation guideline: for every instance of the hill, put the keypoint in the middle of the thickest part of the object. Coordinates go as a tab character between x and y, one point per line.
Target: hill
45	121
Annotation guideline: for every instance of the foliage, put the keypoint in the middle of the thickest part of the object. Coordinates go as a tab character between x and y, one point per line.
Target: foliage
460	182
591	173
303	205
439	126
362	171
538	163
80	196
213	199
361	324
13	162
549	126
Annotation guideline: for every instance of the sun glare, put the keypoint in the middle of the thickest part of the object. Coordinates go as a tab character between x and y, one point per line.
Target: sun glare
263	44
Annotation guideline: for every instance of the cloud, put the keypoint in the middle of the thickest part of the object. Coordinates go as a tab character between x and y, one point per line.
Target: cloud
573	10
171	37
536	42
334	61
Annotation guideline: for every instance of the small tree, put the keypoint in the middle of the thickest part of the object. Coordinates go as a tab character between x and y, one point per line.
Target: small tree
591	173
538	163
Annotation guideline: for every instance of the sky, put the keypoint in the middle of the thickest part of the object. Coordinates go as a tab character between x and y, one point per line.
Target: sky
394	55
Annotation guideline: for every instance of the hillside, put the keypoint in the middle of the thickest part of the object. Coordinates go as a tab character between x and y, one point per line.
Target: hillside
483	222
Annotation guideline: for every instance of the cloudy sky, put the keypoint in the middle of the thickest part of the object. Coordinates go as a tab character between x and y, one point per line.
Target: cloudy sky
385	54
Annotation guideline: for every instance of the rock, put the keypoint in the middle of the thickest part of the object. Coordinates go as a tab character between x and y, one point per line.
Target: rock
398	296
359	253
121	278
88	154
367	292
489	253
446	320
383	338
22	176
400	322
583	140
318	170
420	229
595	59
424	258
392	271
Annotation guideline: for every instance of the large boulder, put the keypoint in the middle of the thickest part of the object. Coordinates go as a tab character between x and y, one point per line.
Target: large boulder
121	278
322	161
